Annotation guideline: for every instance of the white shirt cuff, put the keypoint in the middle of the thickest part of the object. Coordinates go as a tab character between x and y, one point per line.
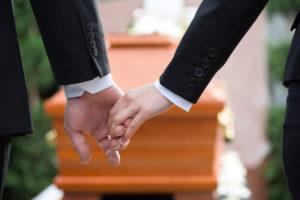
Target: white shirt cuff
174	98
93	86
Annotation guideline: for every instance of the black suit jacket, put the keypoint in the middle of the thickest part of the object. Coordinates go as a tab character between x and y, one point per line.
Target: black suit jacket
75	46
216	30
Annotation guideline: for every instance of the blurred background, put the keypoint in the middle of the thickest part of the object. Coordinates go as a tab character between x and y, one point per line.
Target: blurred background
256	66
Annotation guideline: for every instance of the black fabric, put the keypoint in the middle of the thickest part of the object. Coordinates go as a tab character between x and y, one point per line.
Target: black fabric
292	69
14	109
4	160
75	46
214	33
73	38
291	139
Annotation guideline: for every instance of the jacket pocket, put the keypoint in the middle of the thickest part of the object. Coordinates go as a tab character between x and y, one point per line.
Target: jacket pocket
296	21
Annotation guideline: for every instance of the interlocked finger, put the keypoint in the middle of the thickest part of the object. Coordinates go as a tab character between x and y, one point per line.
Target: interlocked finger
113	156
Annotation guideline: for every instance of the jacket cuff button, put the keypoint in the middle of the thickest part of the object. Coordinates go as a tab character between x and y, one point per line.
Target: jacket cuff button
192	82
206	63
91	35
95	52
199	72
91	26
93	43
212	52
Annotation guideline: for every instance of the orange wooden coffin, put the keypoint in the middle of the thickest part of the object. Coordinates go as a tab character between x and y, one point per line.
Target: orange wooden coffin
174	152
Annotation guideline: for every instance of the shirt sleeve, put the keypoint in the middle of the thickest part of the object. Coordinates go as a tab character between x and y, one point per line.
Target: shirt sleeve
174	98
93	86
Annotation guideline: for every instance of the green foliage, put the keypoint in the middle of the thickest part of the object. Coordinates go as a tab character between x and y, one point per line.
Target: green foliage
274	172
285	7
35	62
277	55
32	165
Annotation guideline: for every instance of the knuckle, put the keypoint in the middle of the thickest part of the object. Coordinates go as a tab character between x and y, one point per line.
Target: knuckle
117	119
114	130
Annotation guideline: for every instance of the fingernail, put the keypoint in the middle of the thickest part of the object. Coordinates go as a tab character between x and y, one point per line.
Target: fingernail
85	161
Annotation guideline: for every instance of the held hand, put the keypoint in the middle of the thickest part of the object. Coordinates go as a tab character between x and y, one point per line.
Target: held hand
133	109
89	113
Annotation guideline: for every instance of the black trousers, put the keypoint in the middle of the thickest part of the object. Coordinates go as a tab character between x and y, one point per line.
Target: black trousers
4	158
291	140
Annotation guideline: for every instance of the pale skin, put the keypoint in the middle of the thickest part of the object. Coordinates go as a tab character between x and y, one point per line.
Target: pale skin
111	118
132	110
89	114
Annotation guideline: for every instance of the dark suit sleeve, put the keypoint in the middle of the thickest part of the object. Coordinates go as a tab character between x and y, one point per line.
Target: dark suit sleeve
73	39
216	30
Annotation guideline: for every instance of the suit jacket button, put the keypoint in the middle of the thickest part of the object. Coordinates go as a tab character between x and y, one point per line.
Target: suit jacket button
212	52
199	72
93	44
192	82
206	63
95	52
91	35
91	26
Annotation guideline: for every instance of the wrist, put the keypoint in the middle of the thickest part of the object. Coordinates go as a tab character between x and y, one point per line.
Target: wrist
174	98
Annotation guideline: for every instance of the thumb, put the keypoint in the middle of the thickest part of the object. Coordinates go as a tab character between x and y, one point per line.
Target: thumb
79	143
